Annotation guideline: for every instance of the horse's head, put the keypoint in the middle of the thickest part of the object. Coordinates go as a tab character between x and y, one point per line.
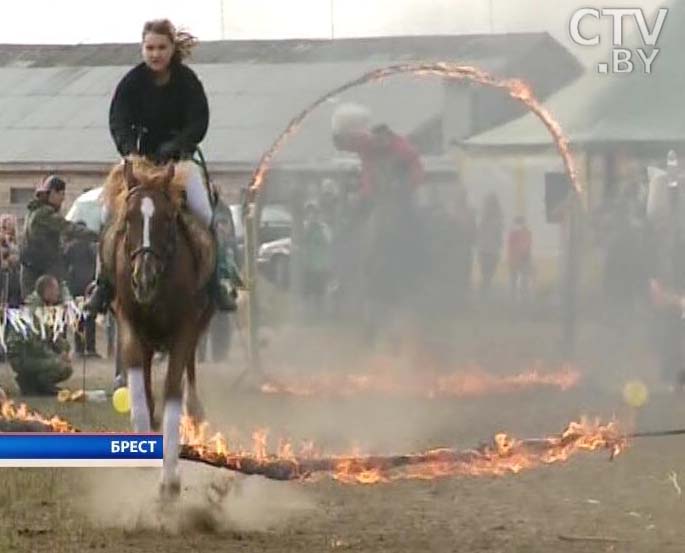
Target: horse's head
150	229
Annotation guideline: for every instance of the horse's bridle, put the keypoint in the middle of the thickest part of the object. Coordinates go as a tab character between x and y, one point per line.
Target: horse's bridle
170	242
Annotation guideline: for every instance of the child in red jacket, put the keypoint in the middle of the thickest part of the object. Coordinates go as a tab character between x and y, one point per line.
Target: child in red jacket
519	245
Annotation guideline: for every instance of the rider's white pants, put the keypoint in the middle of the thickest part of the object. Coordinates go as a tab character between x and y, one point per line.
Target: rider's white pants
197	195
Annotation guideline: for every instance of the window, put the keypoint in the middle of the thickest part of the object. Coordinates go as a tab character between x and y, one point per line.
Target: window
20	195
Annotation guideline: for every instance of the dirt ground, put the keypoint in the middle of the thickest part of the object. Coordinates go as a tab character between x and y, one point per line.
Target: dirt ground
631	502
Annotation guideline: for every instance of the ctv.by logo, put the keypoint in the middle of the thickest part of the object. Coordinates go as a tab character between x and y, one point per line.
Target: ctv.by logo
623	59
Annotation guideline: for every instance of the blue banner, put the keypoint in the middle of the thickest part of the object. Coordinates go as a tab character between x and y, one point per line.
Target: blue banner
78	450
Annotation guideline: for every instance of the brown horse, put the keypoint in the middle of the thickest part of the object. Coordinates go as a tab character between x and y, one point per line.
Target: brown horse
162	260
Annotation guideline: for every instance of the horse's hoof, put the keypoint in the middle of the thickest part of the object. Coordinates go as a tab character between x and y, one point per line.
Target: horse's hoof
170	491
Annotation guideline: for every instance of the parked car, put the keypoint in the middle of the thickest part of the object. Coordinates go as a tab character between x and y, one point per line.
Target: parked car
273	251
87	208
274	232
275	223
273	259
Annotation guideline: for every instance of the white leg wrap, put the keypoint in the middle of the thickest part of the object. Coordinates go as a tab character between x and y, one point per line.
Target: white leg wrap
172	420
198	198
140	415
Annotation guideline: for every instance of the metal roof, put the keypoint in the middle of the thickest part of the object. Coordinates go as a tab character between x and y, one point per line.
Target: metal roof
60	113
378	49
54	100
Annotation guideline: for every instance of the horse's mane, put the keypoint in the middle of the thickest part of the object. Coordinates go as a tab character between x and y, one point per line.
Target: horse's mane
115	189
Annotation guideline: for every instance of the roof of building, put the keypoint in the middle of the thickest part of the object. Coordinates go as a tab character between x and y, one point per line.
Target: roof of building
54	99
374	49
613	108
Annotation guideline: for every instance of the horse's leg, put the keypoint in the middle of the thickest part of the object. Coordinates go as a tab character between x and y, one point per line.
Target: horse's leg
193	404
173	392
133	358
147	371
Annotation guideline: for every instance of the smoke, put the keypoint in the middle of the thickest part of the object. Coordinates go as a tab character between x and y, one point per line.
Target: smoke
211	502
257	504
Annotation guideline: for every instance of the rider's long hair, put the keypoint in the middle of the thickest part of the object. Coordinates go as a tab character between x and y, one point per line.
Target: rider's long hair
182	40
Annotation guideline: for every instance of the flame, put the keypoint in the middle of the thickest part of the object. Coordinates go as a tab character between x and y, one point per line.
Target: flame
474	382
259	438
350	472
503	455
9	411
516	89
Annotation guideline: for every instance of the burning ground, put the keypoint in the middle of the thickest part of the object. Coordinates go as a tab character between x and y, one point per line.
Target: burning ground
503	455
469	381
629	499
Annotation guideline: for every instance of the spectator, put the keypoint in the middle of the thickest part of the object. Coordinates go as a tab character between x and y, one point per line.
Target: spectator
40	363
666	268
316	256
490	233
465	219
44	228
9	261
519	245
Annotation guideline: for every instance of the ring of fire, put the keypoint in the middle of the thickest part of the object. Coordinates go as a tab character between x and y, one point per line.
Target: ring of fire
516	88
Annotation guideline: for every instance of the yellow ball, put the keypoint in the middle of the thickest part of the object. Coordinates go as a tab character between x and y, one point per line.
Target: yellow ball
635	393
121	400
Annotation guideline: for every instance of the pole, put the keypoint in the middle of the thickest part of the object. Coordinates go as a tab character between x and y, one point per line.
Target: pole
571	276
296	269
83	382
250	219
657	433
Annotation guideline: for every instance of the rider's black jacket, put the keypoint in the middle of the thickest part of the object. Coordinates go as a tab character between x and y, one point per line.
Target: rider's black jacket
170	120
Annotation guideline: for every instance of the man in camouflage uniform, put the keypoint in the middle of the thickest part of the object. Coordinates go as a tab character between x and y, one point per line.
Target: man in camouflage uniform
39	363
44	229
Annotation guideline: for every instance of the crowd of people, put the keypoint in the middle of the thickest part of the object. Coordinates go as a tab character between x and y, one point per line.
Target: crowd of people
457	245
159	110
639	229
373	244
49	262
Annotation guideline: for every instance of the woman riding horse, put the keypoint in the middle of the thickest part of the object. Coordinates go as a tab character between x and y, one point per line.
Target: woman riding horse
160	111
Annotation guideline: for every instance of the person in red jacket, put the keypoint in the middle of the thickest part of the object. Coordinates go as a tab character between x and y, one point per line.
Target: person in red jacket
389	162
391	170
519	245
